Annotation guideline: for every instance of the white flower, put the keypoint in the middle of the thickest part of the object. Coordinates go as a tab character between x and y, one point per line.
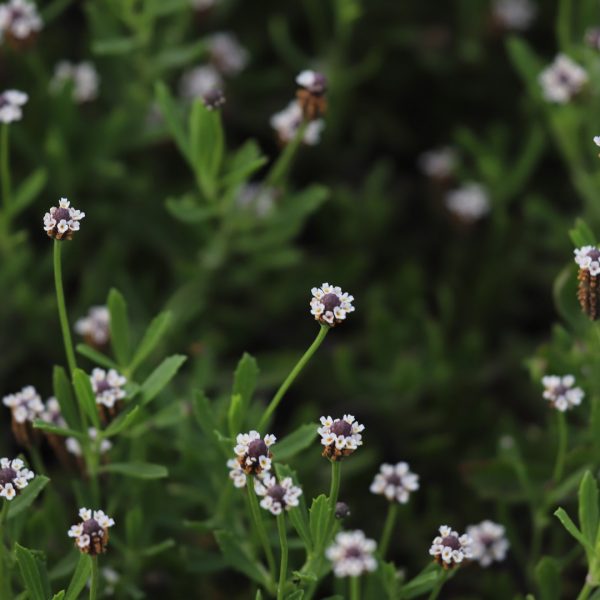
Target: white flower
312	81
329	305
341	437
256	198
597	140
84	77
489	542
199	81
60	222
11	103
95	327
236	473
253	453
14	477
588	259
469	202
19	19
439	163
450	549
227	54
395	482
52	413
287	122
277	496
74	447
352	554
108	387
562	80
561	394
514	14
91	534
26	405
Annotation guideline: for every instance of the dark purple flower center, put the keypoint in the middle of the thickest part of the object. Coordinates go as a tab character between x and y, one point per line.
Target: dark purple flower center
330	301
354	552
102	385
257	448
394	480
92	527
561	390
594	254
61	213
341	427
3	101
277	492
7	475
451	542
214	98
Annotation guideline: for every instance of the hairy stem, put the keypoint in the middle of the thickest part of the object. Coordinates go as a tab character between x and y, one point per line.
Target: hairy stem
283	543
282	164
439	585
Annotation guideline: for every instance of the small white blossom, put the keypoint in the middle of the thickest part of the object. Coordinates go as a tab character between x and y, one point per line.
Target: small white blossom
277	497
236	473
340	437
514	14
395	482
588	259
469	202
312	81
253	453
108	387
26	405
226	53
91	534
439	163
450	549
489	542
95	327
199	81
352	554
562	80
52	413
11	103
597	140
74	447
329	305
60	222
14	477
561	394
287	122
84	77
19	19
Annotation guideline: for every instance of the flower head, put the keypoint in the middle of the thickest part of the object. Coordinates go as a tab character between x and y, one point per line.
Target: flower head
91	534
489	542
588	291
226	53
287	122
19	20
52	413
74	447
95	327
469	202
562	80
214	99
342	510
200	81
11	103
395	482
588	258
14	477
60	222
514	14
561	394
25	405
108	387
277	497
439	163
341	437
449	549
330	305
352	554
311	94
84	77
253	454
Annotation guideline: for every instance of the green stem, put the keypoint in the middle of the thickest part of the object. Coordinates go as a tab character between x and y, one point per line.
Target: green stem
5	588
282	164
62	308
291	377
260	526
390	521
586	590
354	588
562	447
95	579
283	543
439	585
333	498
5	167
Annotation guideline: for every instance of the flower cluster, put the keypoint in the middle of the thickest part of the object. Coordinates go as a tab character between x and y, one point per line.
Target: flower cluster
60	222
74	447
395	482
52	413
562	80
352	554
439	163
341	437
489	543
91	534
253	454
14	477
449	549
95	327
83	77
108	387
311	94
588	291
11	103
561	394
330	305
288	121
588	259
514	14
19	20
469	202
26	406
277	497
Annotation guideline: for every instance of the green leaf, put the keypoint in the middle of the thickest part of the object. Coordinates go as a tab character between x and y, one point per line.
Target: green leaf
588	508
119	327
568	524
33	574
259	595
158	548
28	191
62	431
388	575
59	596
122	422
85	396
423	583
235	414
297	595
80	577
581	234
137	470
116	46
96	357
299	515
154	334
64	394
161	376
243	164
27	496
170	112
295	442
318	517
187	210
238	558
547	576
244	384
208	422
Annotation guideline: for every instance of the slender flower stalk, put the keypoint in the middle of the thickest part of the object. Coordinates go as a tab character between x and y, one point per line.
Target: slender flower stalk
390	521
282	164
95	582
323	330
561	448
260	527
334	492
5	166
62	308
439	585
283	543
354	588
585	591
5	588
